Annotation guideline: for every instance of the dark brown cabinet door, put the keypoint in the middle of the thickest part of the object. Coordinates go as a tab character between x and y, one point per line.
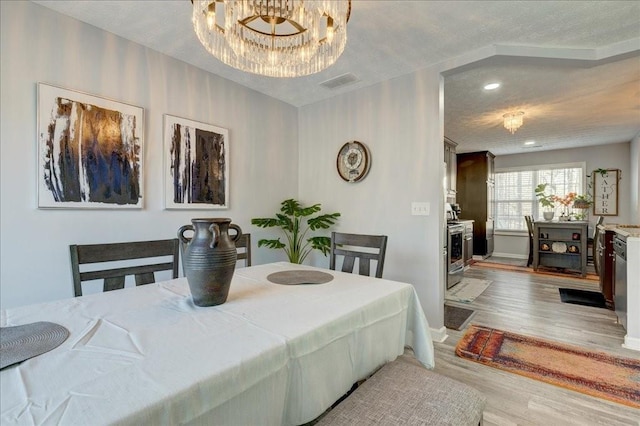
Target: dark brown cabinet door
606	266
475	188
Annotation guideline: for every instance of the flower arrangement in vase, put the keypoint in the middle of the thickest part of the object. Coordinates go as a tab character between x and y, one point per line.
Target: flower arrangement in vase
566	201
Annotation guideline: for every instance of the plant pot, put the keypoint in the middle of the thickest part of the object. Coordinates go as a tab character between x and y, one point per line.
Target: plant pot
547	215
581	204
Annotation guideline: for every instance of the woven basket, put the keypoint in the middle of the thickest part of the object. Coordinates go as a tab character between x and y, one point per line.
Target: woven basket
581	204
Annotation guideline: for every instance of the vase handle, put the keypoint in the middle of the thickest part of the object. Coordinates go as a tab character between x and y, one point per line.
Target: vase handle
238	232
181	231
215	235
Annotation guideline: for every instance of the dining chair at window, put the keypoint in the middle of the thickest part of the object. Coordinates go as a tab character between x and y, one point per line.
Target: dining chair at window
529	221
114	276
243	244
592	243
365	248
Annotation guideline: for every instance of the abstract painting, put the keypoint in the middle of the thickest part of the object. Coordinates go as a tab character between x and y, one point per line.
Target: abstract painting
90	151
196	165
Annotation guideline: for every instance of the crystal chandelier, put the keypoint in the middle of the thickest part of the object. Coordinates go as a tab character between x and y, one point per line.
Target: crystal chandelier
276	38
513	121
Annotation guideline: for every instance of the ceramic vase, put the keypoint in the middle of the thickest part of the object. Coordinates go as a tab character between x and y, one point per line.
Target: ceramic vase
548	215
209	259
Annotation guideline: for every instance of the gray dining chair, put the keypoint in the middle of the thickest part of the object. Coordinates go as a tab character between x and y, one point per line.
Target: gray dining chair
243	244
529	221
365	248
90	255
592	245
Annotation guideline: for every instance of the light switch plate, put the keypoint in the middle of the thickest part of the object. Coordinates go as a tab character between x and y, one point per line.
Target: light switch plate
420	208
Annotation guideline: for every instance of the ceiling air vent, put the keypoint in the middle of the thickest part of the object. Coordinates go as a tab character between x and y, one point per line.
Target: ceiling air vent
341	80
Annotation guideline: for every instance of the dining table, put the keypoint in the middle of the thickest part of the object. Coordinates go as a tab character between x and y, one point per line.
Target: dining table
272	354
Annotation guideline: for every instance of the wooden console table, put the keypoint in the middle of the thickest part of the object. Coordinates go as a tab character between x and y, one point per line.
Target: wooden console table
561	245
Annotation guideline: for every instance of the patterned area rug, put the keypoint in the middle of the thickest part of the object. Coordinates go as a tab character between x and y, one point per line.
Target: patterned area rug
467	290
593	373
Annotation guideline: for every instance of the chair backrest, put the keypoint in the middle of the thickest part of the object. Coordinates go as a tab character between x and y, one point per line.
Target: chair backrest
243	244
114	277
529	220
595	228
347	245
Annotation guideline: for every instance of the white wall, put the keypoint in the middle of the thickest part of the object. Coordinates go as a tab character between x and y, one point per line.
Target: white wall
615	156
634	178
39	45
401	122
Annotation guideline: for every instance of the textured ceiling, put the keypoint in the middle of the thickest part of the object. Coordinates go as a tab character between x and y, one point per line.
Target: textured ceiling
566	103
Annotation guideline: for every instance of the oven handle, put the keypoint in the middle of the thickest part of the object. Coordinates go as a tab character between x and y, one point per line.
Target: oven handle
457	270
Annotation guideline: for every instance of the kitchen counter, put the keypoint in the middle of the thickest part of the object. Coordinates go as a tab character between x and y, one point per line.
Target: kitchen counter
632	235
632	231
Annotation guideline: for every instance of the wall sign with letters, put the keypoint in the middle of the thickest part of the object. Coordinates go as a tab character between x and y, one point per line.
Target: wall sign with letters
605	192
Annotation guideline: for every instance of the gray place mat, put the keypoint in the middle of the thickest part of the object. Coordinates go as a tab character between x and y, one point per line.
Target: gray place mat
299	277
22	342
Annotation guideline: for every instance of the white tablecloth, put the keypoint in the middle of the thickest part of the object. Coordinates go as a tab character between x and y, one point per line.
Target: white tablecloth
272	354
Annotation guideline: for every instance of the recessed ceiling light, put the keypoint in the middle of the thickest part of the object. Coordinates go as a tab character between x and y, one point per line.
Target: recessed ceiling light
492	86
530	143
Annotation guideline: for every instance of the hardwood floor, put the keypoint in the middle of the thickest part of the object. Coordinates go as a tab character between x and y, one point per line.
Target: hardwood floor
529	303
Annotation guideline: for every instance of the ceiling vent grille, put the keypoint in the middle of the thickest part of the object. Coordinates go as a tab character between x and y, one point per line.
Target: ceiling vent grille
339	81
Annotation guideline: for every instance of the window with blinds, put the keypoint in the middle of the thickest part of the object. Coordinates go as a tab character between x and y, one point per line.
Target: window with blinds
515	196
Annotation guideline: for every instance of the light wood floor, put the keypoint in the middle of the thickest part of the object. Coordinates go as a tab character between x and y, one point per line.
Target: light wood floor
529	303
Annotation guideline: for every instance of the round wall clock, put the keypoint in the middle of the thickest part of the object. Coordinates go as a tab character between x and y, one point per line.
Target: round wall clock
353	161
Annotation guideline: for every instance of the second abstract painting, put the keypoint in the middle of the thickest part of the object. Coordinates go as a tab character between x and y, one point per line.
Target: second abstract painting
196	164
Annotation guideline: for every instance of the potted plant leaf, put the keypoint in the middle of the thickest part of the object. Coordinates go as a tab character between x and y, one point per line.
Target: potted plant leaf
296	221
582	202
546	200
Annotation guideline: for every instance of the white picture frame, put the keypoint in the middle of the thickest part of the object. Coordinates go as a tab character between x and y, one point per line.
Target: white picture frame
90	151
196	164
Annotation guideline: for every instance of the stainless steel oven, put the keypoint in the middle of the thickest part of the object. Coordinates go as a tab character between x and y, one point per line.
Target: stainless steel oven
455	254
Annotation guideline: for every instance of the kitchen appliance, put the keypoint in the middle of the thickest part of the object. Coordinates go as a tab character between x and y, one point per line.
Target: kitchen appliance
620	286
452	212
455	253
451	215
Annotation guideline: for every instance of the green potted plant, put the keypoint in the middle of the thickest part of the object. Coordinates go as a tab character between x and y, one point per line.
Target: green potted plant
295	222
546	200
582	201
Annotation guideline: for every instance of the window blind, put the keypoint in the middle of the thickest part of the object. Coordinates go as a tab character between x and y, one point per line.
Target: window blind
515	196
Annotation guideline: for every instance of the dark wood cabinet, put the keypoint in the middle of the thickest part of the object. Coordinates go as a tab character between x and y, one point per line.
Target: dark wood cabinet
475	195
606	266
452	169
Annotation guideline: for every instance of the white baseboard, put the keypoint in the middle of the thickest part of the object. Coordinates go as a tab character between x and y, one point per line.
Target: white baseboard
629	342
439	335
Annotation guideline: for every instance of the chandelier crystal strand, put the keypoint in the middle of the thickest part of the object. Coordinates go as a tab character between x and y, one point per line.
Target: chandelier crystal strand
277	38
513	121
